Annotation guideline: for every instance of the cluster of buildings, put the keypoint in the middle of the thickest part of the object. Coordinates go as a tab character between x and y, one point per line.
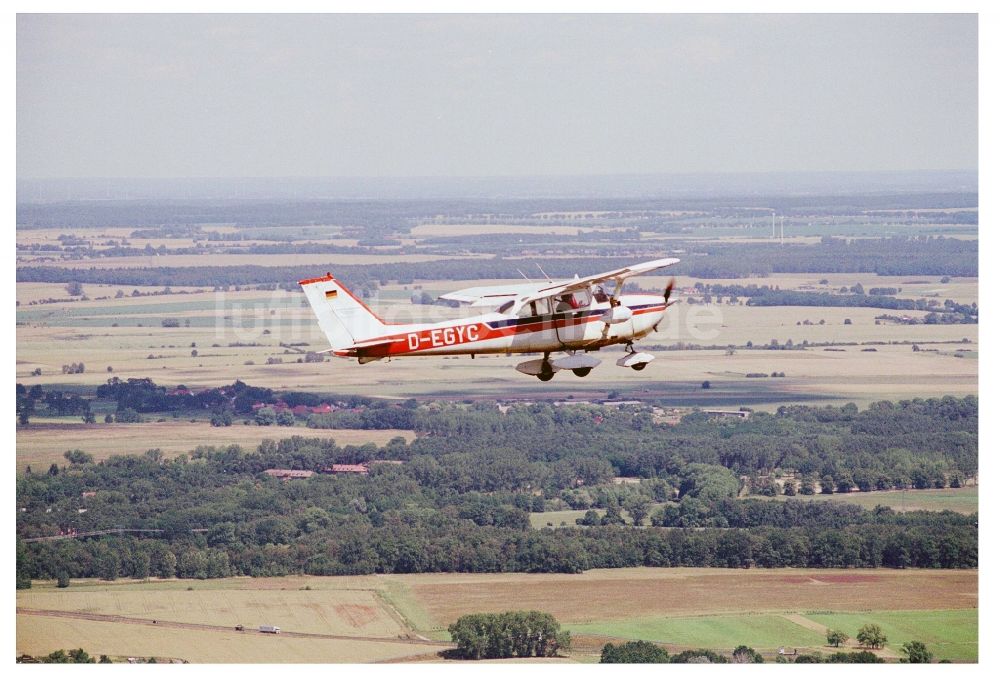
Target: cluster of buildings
362	468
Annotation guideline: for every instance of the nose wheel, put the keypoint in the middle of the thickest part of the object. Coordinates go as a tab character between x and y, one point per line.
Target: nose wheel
634	359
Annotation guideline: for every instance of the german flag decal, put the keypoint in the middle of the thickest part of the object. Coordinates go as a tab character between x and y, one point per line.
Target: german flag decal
331	293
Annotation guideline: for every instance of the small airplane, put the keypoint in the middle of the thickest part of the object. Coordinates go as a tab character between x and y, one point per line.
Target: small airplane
575	317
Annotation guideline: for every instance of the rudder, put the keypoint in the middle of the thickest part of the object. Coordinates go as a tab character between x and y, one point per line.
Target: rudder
343	318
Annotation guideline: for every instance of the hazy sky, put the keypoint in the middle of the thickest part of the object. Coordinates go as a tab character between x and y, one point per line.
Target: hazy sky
460	95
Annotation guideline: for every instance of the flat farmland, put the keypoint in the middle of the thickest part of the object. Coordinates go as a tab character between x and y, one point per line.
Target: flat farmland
960	289
43	443
304	260
383	617
628	593
334	612
961	500
30	292
40	635
344	619
432	230
236	334
949	634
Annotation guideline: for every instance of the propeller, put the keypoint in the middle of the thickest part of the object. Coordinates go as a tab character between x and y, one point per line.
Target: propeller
666	292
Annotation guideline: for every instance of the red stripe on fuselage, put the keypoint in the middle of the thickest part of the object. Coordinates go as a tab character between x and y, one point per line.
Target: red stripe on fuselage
466	333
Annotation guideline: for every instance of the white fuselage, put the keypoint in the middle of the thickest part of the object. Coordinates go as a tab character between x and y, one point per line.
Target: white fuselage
583	328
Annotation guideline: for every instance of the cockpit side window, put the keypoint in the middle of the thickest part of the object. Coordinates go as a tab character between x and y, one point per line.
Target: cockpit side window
538	307
505	307
571	301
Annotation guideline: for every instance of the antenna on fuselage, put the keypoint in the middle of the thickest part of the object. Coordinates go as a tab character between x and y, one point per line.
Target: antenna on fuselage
523	276
547	277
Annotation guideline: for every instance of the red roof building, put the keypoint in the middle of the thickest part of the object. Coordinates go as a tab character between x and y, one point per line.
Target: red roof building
346	469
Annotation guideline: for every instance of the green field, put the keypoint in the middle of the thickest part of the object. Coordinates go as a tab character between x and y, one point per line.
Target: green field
952	635
725	632
566	517
962	500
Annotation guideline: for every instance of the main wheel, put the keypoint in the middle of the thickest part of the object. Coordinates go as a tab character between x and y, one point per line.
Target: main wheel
546	376
581	372
638	366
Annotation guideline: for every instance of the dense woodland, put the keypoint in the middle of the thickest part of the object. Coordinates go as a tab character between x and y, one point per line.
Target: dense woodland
461	498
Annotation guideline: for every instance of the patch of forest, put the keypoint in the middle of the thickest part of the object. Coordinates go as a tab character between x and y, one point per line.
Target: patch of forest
460	499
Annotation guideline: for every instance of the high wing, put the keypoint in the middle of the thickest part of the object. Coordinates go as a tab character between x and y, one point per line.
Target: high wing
618	276
495	295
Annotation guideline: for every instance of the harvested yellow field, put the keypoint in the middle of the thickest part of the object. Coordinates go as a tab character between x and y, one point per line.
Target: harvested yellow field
38	635
41	444
32	292
332	612
644	592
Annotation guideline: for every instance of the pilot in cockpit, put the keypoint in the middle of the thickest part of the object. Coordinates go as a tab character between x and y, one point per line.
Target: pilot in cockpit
599	295
566	302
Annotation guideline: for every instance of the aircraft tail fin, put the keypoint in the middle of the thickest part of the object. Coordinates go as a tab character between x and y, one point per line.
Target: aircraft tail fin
343	318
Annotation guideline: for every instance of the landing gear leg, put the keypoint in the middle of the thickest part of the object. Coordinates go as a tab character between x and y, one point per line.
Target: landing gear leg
547	372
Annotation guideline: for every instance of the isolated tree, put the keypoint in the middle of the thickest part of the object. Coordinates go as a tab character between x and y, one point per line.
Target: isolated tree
62	579
265	417
706	385
745	655
789	488
836	637
73	288
916	652
285	419
872	636
222	419
77	456
520	634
